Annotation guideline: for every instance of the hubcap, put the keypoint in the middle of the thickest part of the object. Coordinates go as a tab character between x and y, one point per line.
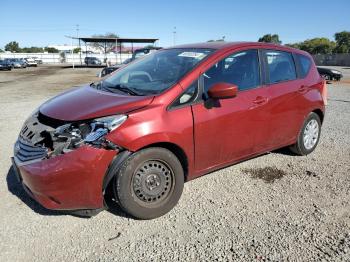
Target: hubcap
311	133
152	181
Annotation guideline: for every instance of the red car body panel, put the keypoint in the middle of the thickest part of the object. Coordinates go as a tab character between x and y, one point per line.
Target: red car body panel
261	119
87	102
68	182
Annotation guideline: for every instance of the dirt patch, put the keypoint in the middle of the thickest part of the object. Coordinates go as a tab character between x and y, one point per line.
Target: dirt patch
268	174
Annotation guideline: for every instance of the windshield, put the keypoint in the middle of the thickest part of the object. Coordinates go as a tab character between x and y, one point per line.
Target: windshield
155	72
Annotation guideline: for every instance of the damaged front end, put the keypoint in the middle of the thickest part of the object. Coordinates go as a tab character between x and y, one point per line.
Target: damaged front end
42	137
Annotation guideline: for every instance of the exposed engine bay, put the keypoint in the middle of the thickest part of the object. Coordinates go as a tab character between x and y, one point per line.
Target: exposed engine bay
41	137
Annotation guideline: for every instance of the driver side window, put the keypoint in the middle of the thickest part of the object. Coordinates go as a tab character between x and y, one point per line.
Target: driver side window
241	69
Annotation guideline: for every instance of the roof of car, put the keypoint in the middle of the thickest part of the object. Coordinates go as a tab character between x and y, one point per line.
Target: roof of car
224	45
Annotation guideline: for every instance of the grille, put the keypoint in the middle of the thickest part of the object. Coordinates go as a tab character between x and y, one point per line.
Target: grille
26	152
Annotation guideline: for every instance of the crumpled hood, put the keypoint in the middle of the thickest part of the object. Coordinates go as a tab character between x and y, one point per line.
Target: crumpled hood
87	103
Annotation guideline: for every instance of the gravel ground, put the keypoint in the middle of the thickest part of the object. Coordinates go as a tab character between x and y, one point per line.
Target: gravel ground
276	207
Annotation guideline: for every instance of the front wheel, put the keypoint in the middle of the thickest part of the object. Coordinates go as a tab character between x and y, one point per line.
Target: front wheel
308	136
149	183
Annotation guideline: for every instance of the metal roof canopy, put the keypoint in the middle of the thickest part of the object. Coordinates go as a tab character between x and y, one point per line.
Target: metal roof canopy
116	40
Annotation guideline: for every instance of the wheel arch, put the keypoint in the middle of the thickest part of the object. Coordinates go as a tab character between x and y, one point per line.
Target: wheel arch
121	157
320	114
176	150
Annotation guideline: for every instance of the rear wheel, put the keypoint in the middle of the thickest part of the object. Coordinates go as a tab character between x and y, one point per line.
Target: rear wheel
149	183
308	136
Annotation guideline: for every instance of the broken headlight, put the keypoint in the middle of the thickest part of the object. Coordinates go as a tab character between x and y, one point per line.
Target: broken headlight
70	136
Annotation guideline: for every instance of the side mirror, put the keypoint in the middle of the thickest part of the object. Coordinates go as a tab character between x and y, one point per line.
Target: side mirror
223	90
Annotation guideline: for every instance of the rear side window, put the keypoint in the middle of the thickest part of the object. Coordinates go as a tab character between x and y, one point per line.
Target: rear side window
305	65
280	66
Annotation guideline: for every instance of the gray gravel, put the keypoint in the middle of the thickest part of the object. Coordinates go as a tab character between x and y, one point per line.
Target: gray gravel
275	207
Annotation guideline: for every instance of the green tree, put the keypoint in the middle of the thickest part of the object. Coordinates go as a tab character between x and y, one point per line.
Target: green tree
51	50
343	42
76	50
269	38
294	45
217	40
12	47
318	46
1	50
102	45
32	49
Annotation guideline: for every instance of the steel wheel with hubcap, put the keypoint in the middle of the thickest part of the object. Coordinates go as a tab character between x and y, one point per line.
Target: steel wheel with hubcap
149	183
152	182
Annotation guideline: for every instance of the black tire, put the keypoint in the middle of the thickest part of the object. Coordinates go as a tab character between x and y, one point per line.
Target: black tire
301	147
149	169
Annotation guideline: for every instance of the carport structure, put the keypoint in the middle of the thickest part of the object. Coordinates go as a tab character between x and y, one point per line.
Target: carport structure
117	40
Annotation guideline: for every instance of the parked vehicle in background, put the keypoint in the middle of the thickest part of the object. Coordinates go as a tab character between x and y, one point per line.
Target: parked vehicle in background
329	73
16	62
108	70
143	51
92	61
31	62
37	60
170	117
23	61
137	54
4	65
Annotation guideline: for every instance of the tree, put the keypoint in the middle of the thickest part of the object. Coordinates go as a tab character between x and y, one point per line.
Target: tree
76	50
12	47
217	40
102	45
32	49
318	46
295	45
1	50
51	50
270	39
343	42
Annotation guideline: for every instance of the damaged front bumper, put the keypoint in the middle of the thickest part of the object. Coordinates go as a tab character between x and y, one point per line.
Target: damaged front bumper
63	165
72	181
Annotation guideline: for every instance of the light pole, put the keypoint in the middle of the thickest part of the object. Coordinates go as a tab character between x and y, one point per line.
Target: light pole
174	36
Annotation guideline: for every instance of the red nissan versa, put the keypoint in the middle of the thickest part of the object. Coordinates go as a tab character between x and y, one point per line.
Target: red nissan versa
167	118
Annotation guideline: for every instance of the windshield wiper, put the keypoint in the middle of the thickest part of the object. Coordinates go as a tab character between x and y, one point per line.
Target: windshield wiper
102	86
124	89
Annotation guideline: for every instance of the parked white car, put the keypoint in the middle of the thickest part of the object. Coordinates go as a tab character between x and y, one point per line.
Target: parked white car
31	62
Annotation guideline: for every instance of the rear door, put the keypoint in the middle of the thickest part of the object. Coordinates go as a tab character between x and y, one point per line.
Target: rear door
285	92
226	130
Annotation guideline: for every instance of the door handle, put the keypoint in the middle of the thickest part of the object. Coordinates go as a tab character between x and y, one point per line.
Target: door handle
303	89
260	100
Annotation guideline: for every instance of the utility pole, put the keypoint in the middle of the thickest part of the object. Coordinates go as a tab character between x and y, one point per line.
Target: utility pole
77	26
174	36
77	30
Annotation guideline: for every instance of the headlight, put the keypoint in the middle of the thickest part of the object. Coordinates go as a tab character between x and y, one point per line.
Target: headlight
111	122
335	72
70	136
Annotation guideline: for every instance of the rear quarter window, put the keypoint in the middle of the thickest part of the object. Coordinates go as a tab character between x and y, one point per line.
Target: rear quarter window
280	66
305	65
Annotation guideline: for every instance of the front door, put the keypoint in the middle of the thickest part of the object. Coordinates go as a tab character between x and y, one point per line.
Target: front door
227	130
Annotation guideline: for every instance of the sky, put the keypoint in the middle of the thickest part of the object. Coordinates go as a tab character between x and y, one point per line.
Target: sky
42	23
